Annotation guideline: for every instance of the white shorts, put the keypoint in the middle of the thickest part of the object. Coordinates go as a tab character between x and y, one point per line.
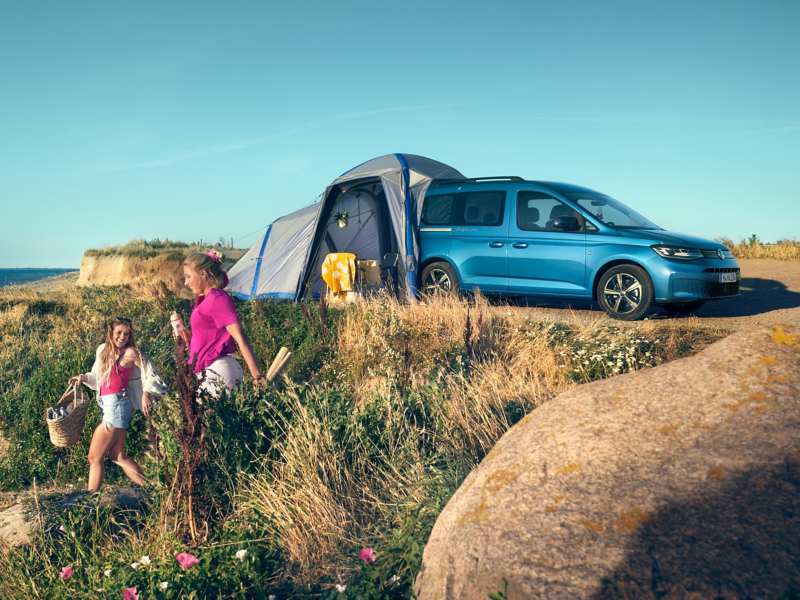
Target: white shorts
225	372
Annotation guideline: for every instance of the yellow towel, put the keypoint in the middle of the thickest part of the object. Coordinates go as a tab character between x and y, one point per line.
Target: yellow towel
339	272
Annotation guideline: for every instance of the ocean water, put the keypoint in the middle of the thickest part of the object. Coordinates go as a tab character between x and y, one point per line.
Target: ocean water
23	276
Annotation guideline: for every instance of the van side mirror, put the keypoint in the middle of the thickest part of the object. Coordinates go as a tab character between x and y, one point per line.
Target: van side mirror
566	223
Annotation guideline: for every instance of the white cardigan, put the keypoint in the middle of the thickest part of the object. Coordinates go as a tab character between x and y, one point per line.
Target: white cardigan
146	380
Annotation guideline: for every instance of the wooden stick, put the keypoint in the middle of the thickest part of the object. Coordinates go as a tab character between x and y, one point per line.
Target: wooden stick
278	368
272	372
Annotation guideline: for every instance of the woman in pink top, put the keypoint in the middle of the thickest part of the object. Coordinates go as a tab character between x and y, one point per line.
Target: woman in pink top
215	327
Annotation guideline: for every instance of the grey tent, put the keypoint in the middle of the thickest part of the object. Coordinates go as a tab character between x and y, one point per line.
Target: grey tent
383	200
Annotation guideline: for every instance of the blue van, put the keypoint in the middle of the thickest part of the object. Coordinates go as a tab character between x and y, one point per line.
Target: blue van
511	237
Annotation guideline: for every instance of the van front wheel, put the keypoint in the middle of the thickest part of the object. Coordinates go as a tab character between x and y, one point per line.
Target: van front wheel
439	278
625	292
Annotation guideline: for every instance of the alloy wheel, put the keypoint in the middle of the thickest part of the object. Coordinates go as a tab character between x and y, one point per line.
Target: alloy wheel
437	280
623	293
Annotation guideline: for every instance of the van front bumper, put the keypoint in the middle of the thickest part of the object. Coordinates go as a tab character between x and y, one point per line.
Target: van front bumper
694	281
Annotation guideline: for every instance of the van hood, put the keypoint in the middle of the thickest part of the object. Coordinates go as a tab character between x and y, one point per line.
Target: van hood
671	238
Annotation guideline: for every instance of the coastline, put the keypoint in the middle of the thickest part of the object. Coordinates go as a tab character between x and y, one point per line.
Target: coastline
48	283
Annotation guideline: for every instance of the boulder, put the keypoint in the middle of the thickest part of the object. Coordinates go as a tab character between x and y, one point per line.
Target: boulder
680	481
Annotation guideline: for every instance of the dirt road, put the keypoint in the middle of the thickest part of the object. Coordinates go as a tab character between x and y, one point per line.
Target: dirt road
770	296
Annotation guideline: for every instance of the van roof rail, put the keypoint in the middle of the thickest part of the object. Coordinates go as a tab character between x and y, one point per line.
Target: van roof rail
511	177
495	178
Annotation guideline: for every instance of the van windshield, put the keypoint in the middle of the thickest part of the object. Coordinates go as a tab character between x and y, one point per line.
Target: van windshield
610	212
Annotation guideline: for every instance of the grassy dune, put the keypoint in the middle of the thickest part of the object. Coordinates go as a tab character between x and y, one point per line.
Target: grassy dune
386	409
141	248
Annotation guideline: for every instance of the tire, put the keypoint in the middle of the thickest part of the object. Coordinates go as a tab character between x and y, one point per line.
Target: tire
682	309
439	278
637	296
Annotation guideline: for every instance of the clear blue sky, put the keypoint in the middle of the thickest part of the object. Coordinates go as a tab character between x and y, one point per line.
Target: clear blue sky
190	120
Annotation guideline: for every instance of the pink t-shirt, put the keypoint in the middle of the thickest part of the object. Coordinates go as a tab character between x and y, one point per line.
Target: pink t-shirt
212	313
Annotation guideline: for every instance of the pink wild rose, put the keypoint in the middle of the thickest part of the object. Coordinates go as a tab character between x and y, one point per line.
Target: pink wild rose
66	573
367	555
130	594
187	560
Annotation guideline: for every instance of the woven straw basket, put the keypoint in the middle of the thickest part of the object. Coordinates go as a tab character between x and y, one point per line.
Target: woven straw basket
65	432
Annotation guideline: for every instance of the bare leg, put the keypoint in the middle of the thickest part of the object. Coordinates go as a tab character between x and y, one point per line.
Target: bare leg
117	454
103	438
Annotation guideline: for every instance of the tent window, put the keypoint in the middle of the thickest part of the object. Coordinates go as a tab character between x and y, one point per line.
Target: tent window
437	210
480	208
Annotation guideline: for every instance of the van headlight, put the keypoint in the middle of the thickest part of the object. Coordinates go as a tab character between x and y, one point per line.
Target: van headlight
677	252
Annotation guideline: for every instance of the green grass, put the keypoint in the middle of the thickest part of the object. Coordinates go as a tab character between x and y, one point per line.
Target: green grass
361	447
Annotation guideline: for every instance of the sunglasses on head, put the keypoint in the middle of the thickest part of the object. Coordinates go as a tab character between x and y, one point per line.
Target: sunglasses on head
122	320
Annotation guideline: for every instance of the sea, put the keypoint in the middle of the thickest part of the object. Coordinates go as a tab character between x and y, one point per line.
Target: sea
23	276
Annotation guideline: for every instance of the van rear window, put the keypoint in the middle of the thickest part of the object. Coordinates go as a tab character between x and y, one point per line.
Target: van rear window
438	210
480	208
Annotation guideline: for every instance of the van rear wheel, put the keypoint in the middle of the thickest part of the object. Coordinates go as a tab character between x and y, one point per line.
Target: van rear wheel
625	292
439	278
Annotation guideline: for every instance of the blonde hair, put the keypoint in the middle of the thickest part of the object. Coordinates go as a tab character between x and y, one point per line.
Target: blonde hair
202	263
108	356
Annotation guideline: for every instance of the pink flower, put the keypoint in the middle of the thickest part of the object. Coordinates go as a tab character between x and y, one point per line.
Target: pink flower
367	555
186	560
130	594
62	528
66	573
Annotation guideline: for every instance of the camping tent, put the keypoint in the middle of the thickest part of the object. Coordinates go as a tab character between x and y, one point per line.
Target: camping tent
383	200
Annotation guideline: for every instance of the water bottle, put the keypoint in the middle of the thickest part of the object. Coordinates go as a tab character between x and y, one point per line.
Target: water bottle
178	330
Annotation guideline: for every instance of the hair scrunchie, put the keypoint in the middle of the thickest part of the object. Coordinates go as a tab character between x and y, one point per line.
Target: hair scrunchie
215	258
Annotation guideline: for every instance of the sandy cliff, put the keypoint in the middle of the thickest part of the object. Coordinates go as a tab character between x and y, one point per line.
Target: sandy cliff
120	269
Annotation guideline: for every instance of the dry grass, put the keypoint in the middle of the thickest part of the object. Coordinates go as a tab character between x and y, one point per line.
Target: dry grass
481	367
306	492
785	249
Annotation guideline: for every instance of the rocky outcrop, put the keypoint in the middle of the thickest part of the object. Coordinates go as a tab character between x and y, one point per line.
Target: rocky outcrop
681	481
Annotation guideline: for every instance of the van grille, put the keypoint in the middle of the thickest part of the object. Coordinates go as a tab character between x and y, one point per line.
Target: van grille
706	289
722	270
713	254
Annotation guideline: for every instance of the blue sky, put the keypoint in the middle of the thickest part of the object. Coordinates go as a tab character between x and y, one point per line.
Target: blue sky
200	120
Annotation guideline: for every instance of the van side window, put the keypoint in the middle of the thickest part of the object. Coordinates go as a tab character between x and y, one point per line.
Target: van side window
537	210
480	208
438	210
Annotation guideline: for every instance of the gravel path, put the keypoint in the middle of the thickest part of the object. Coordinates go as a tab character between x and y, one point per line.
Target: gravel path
770	296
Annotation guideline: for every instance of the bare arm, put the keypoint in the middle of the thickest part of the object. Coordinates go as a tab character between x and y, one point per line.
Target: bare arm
237	332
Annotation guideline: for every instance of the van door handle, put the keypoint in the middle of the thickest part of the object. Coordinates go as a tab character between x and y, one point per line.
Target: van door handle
520	245
495	244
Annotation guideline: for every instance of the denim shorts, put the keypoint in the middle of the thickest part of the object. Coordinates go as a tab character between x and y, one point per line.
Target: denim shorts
116	409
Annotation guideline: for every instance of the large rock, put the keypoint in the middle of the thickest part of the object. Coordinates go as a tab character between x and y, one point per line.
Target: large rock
681	481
